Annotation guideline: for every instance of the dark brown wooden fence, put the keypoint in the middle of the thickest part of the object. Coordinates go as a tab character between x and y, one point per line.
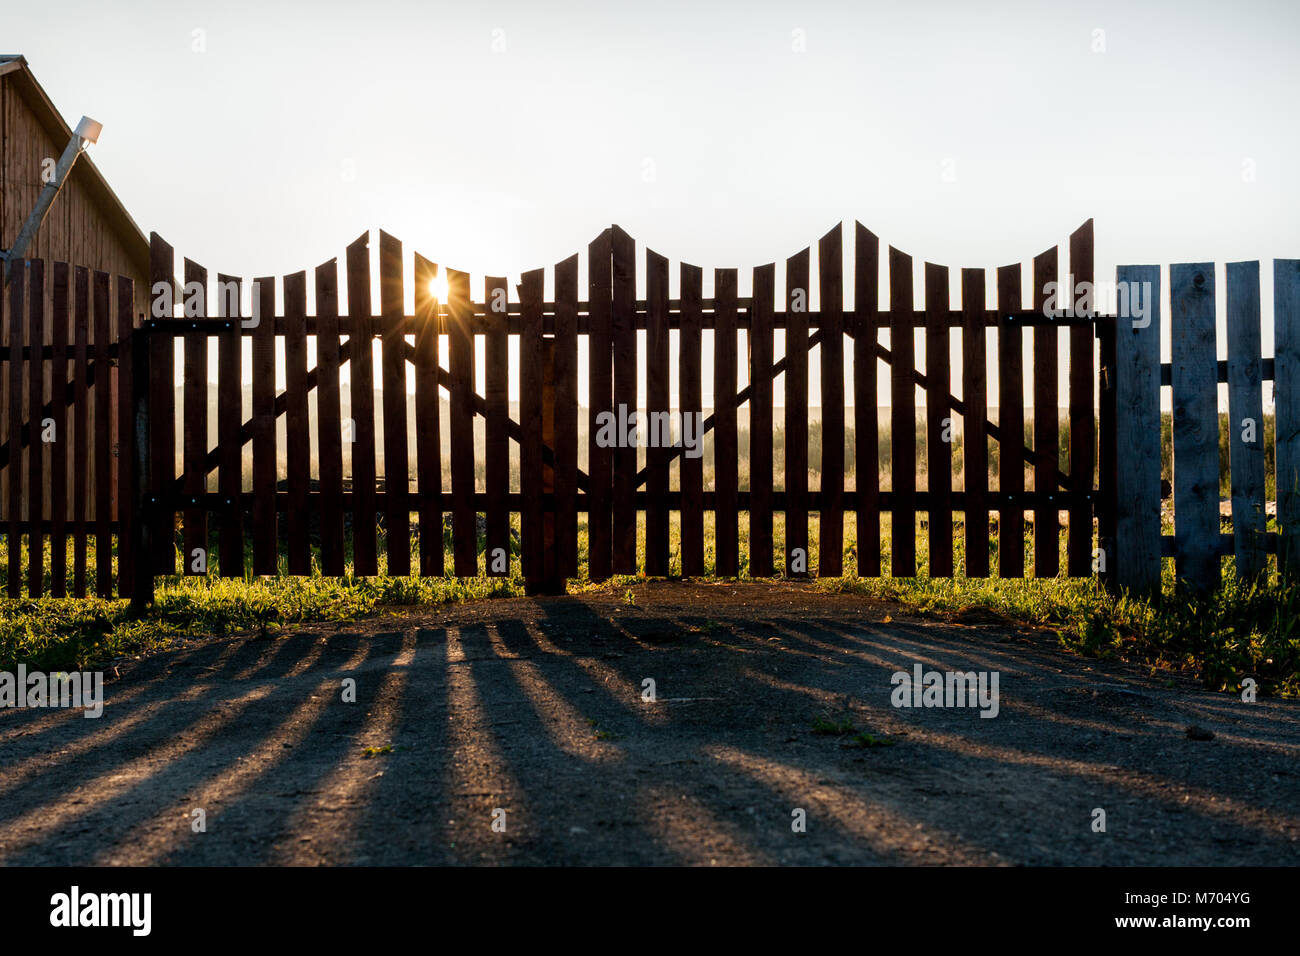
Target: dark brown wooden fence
275	485
614	489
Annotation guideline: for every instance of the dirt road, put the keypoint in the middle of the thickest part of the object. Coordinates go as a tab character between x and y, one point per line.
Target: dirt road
531	714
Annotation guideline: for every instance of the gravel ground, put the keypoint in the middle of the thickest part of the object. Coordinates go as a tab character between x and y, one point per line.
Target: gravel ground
531	713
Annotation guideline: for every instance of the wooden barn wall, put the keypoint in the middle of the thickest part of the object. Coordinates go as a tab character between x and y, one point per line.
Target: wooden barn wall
76	231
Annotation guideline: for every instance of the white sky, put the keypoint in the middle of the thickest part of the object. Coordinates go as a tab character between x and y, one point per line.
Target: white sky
300	126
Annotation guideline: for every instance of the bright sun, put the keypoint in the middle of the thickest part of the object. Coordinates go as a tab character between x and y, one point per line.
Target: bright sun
438	287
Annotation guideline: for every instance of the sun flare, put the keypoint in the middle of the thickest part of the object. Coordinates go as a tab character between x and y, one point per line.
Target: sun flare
438	288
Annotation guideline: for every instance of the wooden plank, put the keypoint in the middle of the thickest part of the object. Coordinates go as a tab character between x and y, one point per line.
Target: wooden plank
531	379
230	532
1286	371
329	420
103	439
761	352
162	402
600	405
1137	432
902	419
460	347
866	417
1047	545
14	505
496	464
1196	424
126	481
566	415
1246	418
726	518
625	399
659	440
830	267
36	401
1011	425
975	442
81	436
361	392
195	420
58	449
266	545
1083	430
938	421
397	475
796	414
428	419
690	400
297	450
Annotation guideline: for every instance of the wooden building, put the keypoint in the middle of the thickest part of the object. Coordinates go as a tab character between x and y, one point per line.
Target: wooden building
87	225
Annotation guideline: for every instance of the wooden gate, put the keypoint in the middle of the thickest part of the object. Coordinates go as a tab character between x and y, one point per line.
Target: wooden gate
322	516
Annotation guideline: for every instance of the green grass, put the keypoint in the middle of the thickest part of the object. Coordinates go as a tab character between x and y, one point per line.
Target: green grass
1243	630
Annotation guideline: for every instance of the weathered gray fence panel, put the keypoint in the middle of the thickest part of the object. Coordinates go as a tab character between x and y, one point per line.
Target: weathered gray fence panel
1286	372
1196	425
1245	418
1137	439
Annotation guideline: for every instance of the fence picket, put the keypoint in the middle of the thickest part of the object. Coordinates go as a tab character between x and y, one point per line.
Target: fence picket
1195	424
36	399
297	450
866	415
902	418
600	404
14	509
361	393
1083	431
266	544
1047	542
938	421
796	414
81	438
659	438
162	403
329	419
496	392
59	303
566	415
625	398
975	445
397	469
1286	371
761	349
1137	427
1011	426
691	395
532	377
460	363
1246	418
127	558
230	546
103	437
428	419
194	415
726	518
830	267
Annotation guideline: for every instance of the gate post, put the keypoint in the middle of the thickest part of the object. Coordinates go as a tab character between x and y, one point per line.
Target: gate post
140	546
